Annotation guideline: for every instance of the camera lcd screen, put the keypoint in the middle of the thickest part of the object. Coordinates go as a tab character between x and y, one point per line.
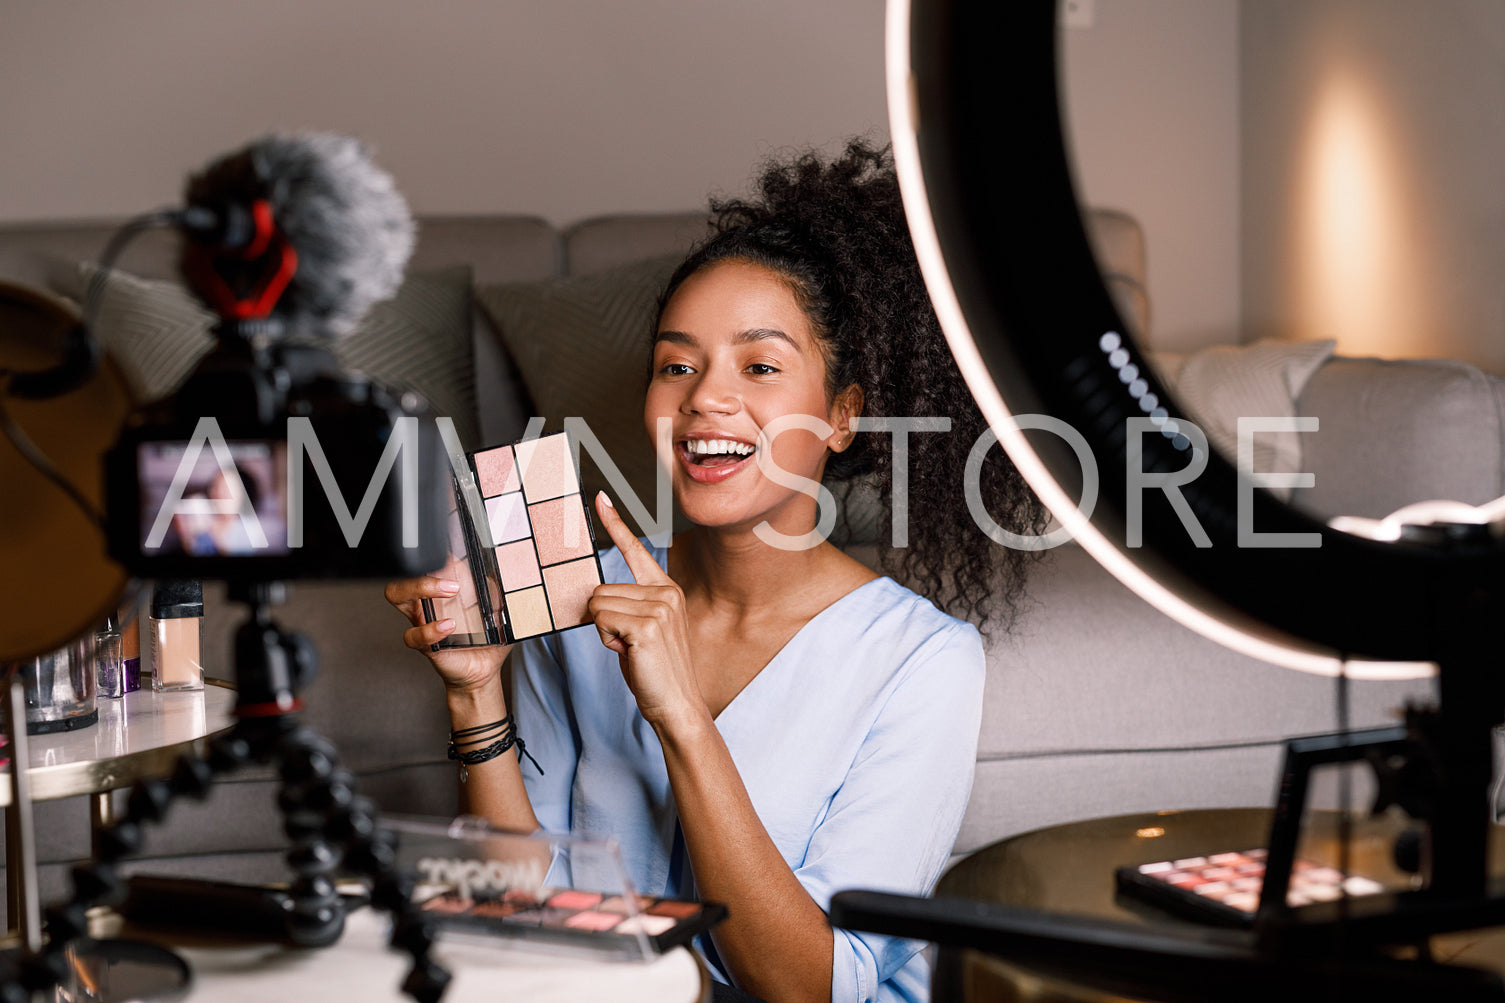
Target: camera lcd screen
191	504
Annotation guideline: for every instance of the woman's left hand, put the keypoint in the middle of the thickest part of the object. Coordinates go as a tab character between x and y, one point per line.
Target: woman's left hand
646	625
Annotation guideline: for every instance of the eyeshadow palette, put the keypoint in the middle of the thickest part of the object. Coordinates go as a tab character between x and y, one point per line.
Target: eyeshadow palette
521	546
579	918
1226	886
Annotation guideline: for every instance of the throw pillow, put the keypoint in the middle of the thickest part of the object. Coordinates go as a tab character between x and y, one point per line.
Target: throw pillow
581	345
418	340
1218	385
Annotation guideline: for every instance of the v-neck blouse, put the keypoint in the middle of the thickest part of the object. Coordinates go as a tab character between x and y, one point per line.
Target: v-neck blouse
856	743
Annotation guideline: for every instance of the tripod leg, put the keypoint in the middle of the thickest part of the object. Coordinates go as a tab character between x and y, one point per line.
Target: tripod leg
313	788
330	825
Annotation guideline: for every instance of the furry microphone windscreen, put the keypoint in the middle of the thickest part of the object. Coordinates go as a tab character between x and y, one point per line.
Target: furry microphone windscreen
342	214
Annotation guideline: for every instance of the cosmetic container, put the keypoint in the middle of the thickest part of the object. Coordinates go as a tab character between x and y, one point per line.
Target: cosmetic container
109	669
130	647
521	546
60	690
177	641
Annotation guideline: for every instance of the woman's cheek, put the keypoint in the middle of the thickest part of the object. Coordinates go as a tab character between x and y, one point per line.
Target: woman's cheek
799	452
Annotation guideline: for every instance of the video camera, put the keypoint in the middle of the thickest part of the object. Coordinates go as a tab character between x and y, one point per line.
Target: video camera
271	462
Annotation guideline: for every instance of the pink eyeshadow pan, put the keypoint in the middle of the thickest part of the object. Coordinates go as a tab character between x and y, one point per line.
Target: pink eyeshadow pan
560	528
593	920
570	587
574	900
496	472
519	564
507	517
548	469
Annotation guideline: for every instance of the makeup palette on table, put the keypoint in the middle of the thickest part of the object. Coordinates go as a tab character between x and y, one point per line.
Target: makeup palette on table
578	918
557	892
521	546
1225	887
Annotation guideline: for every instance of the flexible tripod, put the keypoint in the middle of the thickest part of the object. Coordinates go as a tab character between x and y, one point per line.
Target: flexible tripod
329	825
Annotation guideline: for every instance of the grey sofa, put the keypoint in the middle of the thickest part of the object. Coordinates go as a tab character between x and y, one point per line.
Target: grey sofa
1096	704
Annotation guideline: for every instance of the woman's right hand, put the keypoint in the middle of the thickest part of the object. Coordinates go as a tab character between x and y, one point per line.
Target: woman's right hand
462	669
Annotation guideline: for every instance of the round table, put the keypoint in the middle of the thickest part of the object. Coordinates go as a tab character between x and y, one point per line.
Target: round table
361	966
137	736
1070	869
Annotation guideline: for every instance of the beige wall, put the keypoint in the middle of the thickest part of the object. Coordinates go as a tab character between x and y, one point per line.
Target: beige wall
574	107
563	108
1374	177
1152	98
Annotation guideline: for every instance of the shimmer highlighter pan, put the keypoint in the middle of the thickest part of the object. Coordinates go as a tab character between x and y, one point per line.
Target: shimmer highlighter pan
521	546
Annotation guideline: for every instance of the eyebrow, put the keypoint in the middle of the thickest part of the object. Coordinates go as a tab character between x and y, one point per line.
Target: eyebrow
748	337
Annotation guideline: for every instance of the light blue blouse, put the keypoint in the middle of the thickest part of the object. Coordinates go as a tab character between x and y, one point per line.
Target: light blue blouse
856	743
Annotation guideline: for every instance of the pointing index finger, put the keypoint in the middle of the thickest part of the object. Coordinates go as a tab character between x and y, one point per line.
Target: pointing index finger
645	570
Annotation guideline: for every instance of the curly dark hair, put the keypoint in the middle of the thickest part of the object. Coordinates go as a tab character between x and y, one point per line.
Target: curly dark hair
836	231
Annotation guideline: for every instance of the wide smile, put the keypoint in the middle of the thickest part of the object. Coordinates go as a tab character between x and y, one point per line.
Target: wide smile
711	461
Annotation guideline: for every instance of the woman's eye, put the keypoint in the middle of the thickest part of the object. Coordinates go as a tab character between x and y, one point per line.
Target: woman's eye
675	369
761	369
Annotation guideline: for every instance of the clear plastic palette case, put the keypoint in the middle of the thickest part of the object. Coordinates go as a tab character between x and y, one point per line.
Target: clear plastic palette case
559	893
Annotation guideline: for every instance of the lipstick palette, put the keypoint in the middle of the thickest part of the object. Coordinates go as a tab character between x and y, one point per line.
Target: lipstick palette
521	546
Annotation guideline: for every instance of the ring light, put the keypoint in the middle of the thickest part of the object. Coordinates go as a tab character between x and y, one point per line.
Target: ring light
987	183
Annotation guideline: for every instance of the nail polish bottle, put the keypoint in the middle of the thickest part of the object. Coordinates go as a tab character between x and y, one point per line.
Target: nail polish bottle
177	641
130	648
109	670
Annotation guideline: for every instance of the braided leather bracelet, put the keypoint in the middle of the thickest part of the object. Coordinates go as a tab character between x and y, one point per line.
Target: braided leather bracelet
468	736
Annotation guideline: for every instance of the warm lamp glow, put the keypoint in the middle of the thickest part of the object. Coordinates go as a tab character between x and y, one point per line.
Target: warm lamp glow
1359	267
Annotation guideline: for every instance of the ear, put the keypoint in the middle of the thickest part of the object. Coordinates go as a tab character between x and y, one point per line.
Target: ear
846	406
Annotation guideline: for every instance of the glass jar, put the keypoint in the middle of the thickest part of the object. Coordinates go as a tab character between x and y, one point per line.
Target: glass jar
61	689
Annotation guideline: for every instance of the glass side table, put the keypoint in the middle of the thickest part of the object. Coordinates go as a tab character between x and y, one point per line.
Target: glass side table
138	736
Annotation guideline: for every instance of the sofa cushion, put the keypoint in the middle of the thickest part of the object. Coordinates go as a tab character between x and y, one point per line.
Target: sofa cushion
608	242
420	339
581	344
1397	432
1099	703
1118	244
1219	385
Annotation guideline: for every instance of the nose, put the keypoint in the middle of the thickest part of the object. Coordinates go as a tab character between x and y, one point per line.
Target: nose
712	393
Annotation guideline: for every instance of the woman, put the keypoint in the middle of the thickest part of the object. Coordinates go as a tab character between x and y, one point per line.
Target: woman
766	723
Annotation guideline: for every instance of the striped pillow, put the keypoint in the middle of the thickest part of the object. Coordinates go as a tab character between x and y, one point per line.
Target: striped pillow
419	340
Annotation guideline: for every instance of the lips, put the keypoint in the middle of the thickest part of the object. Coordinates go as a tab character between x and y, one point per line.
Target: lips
716	468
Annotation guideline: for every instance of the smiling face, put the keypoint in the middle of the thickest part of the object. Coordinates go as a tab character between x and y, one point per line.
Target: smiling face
734	352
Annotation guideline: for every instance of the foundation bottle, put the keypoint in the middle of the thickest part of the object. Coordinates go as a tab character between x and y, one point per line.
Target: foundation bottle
177	641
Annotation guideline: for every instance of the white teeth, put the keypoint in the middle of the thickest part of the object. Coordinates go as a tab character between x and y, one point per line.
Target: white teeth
717	447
